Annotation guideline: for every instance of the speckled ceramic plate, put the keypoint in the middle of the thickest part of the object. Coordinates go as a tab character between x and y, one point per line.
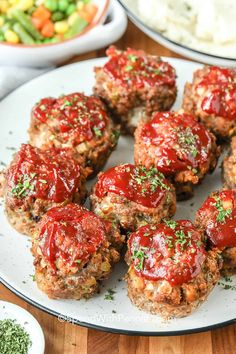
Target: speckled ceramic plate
16	268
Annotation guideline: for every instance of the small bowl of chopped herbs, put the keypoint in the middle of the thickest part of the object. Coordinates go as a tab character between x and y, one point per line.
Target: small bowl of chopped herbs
19	331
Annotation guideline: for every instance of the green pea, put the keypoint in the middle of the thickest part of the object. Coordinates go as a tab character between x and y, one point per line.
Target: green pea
57	16
31	10
51	5
71	8
63	5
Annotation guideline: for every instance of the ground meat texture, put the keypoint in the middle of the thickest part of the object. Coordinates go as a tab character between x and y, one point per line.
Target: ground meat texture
72	252
229	167
133	196
212	98
134	84
170	273
178	146
217	218
35	181
78	122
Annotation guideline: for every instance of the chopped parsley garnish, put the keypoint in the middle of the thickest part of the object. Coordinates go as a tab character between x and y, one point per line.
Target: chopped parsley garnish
66	104
227	284
109	295
170	223
13	338
128	68
78	261
115	136
139	255
188	141
132	58
222	213
97	131
24	186
152	179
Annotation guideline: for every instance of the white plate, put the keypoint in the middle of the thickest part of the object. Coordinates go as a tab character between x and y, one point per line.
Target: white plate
15	257
131	8
27	321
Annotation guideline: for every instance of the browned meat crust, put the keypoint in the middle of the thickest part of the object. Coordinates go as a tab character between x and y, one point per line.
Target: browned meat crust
128	103
159	297
73	280
92	152
229	167
192	99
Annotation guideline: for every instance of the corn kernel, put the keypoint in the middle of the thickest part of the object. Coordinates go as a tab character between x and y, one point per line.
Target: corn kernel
1	21
80	5
11	37
61	27
24	5
4	5
72	18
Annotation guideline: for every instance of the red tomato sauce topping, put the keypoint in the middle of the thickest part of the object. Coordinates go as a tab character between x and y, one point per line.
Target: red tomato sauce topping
48	175
70	234
180	141
79	117
220	99
133	68
136	183
171	251
220	212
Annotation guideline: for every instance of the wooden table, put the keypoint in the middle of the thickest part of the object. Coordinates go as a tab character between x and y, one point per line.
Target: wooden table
65	338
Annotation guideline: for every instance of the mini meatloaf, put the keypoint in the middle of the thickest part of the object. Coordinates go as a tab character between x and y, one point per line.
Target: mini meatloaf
35	181
72	252
217	218
229	167
212	98
78	122
134	84
133	196
178	146
170	273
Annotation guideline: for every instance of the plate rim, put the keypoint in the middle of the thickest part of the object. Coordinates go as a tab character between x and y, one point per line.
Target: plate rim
87	324
133	16
115	330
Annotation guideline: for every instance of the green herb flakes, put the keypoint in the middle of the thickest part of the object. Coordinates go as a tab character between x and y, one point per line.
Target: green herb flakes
128	68
97	131
222	213
139	255
13	338
110	294
24	187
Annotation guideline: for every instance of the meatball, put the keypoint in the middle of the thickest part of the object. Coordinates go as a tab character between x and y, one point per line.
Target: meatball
133	84
72	252
35	181
178	146
217	218
170	272
229	167
78	122
133	196
212	98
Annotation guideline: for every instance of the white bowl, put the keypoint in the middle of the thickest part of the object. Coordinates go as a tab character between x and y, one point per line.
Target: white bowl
96	36
28	322
131	8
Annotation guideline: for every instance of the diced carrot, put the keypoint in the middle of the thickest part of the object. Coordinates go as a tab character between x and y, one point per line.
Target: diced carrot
37	22
88	12
48	29
42	13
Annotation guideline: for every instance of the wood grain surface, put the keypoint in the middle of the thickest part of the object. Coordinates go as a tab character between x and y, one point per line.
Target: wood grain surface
66	338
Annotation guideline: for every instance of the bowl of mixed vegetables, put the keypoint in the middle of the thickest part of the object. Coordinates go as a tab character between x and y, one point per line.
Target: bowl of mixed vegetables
35	22
45	32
